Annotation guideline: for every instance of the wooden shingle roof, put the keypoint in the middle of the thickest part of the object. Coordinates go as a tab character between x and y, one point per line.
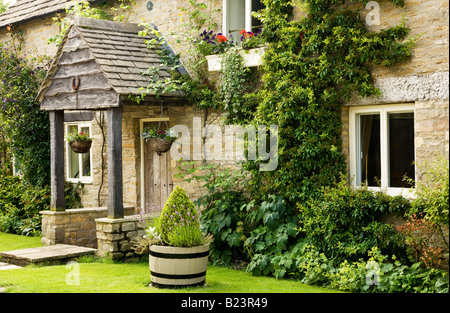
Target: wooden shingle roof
121	53
108	58
27	10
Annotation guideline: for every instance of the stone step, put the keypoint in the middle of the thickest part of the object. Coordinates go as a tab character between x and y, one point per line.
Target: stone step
48	255
7	266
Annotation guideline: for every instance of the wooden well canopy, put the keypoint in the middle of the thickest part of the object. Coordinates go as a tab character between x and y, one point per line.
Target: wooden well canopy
98	63
97	66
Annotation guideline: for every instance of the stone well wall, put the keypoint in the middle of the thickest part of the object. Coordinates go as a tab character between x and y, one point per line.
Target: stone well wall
117	237
73	227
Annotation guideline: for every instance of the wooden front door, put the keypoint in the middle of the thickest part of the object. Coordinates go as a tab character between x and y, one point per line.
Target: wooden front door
157	178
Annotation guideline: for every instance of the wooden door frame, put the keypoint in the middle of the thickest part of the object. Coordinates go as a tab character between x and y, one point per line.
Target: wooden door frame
141	127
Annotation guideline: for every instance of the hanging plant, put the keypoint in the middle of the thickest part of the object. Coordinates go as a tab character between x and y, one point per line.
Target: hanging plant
161	140
79	143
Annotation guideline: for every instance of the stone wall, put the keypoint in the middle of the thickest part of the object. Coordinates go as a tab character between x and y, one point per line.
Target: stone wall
117	237
73	227
431	132
36	34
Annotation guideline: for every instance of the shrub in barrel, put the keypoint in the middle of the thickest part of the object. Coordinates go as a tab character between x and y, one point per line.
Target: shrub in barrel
178	248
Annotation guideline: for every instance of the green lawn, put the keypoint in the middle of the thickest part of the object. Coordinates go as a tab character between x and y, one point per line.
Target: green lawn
10	242
103	276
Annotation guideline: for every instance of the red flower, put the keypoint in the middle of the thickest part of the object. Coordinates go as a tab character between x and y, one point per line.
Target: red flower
221	38
242	32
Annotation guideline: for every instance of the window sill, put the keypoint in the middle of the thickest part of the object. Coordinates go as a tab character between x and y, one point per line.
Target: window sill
252	58
408	193
86	181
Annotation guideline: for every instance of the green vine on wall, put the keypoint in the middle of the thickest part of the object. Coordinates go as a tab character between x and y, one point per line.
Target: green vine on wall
24	127
313	65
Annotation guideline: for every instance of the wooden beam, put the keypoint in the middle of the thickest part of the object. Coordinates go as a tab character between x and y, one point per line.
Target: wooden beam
83	100
57	202
115	180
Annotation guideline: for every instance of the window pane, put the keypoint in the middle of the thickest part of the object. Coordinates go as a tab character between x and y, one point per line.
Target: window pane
72	129
369	150
86	163
401	149
85	130
256	6
236	18
75	169
73	157
74	165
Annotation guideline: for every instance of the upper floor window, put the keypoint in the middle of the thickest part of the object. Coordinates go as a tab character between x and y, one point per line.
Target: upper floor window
382	149
78	165
237	15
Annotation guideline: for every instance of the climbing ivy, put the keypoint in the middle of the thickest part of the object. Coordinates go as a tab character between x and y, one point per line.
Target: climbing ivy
313	65
24	126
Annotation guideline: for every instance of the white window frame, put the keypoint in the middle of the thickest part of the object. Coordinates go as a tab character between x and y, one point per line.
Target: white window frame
247	15
383	110
82	179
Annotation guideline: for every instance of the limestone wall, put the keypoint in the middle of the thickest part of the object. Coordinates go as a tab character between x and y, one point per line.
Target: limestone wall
73	227
117	237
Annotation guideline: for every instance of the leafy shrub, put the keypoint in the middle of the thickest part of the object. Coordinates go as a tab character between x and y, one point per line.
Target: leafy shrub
25	126
345	223
274	232
223	212
21	202
222	219
418	233
179	224
432	195
428	236
72	195
378	274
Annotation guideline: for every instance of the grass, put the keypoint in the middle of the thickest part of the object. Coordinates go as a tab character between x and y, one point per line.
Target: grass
10	242
105	276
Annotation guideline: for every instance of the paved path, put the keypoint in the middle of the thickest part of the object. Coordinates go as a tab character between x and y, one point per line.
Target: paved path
7	266
50	255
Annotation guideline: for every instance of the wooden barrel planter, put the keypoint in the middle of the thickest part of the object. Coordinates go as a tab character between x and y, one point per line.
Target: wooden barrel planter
177	267
160	145
80	146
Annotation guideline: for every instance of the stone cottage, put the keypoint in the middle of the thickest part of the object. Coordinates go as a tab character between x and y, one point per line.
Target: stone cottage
381	136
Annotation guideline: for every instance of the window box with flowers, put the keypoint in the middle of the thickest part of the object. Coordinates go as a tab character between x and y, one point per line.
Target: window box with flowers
214	45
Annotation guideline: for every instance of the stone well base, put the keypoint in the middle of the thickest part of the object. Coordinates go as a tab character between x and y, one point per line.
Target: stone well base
117	238
73	227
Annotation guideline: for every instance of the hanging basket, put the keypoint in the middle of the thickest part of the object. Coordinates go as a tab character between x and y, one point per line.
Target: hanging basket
160	145
80	146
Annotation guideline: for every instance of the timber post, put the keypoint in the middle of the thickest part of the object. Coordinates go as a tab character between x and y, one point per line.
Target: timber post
115	179
57	202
